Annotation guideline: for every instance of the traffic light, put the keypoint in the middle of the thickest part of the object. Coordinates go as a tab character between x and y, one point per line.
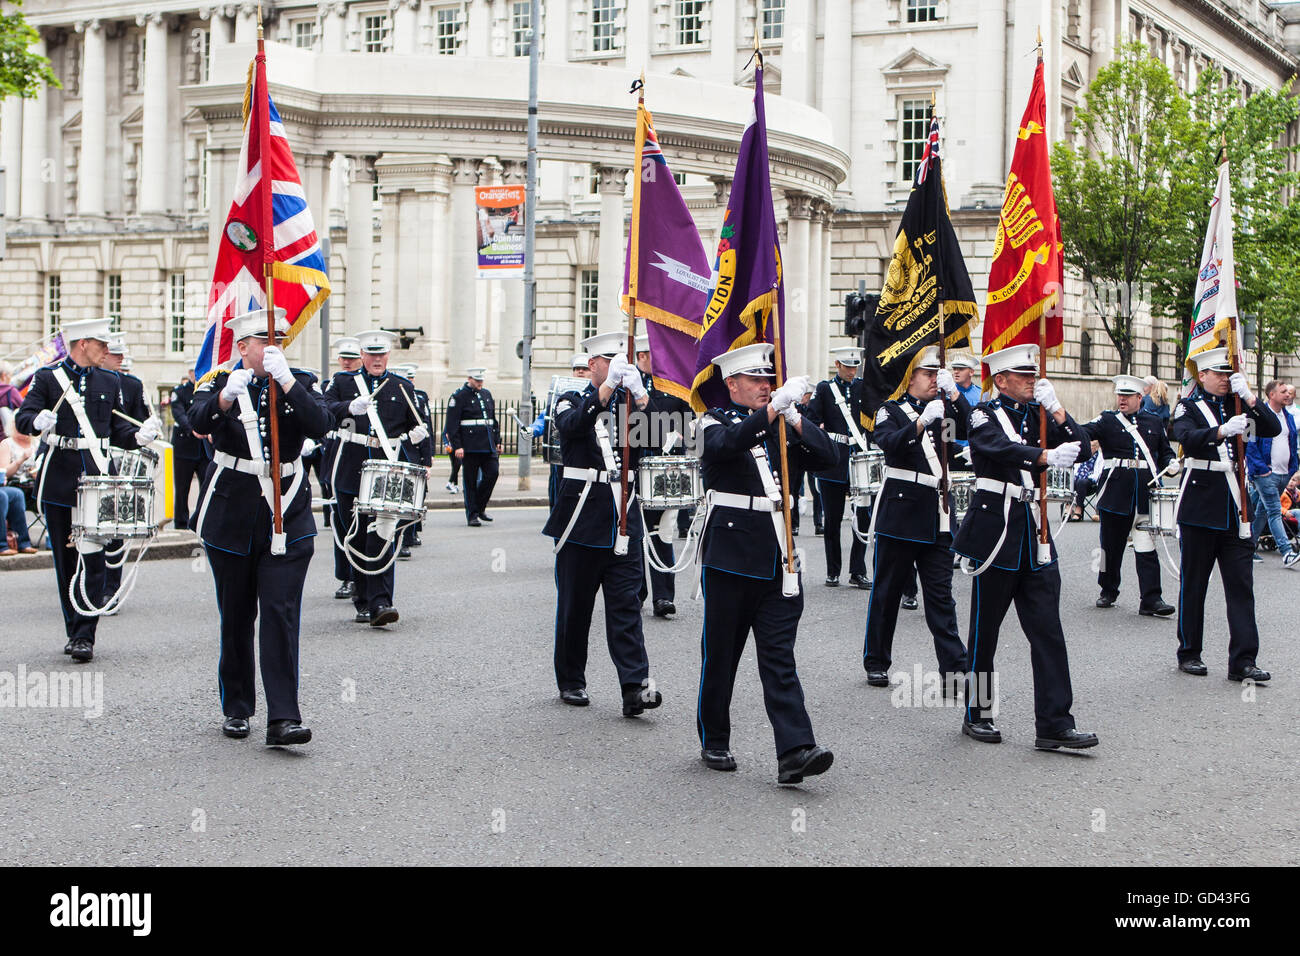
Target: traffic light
859	313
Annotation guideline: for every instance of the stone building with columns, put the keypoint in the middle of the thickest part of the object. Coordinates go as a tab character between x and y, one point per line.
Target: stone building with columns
118	183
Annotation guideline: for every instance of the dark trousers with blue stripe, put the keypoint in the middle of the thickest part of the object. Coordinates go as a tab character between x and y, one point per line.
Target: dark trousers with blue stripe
481	470
834	495
1037	596
342	521
260	583
579	573
1202	547
661	582
733	606
368	590
898	564
58	522
1114	534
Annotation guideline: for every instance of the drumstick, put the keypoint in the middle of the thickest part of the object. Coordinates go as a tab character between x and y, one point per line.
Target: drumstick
128	418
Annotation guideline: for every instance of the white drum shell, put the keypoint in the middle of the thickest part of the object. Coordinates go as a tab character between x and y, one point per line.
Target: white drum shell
866	472
1161	517
1060	484
963	489
111	507
391	488
669	481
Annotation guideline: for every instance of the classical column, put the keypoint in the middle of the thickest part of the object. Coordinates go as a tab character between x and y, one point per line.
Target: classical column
361	242
246	23
555	32
837	83
461	233
334	30
609	312
390	238
11	153
153	136
406	29
636	35
439	266
221	171
722	33
795	268
817	319
711	235
797	72
511	329
34	202
94	109
477	41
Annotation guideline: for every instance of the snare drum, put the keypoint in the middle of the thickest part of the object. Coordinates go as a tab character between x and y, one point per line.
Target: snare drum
133	463
866	472
1060	484
113	506
1161	518
391	489
669	481
963	488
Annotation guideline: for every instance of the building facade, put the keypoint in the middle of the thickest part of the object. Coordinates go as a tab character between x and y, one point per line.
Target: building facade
118	183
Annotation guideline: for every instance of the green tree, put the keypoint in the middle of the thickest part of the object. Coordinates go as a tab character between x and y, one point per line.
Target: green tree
21	71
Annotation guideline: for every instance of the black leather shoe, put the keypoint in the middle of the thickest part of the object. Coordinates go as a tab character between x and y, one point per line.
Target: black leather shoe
1251	673
1195	667
363	616
663	608
235	727
1106	600
803	762
483	516
640	697
82	651
280	733
860	581
1160	608
908	604
1074	739
878	678
981	730
344	591
416	541
718	759
577	697
832	582
818	530
474	522
404	553
67	648
383	614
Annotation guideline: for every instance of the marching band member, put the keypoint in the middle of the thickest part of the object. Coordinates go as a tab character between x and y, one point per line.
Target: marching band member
349	359
257	573
188	459
474	437
1000	535
71	404
1135	451
746	584
911	530
837	406
136	404
373	411
421	451
965	374
1209	514
590	555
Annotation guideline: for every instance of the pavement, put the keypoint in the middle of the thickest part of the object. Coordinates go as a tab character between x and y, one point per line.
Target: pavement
441	738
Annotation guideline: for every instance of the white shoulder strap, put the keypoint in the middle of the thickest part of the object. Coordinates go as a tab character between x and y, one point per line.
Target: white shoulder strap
1000	414
83	420
848	419
1139	442
388	445
927	442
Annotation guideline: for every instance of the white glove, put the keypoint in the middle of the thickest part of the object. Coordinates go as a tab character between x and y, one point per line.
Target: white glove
792	416
360	405
236	384
418	434
1237	382
149	431
45	419
1045	395
308	446
1062	456
1173	468
633	382
277	366
790	393
932	412
618	367
947	384
1236	425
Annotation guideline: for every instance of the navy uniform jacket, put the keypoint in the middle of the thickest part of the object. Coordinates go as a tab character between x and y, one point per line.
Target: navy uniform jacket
184	444
133	402
575	421
469	404
996	456
736	540
232	500
1206	500
668	413
421	452
1127	489
908	510
394	412
101	391
824	410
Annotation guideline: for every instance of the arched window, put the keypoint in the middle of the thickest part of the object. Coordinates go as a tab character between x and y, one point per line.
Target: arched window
1085	354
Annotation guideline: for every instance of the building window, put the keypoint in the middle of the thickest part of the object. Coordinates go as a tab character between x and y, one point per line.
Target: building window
53	304
588	301
922	11
602	26
176	312
447	30
915	133
374	33
521	26
679	179
688	22
1155	360
113	301
772	19
1085	354
304	34
204	200
206	54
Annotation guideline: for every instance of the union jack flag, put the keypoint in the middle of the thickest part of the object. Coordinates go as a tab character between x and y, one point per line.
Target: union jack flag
931	152
268	223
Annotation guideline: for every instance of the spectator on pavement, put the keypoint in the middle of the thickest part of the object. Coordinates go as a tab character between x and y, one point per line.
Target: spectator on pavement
1156	399
15	452
1273	465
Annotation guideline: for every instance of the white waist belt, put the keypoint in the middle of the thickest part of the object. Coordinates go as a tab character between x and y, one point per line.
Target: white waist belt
915	477
370	441
76	444
476	421
842	439
725	499
1007	489
586	474
260	468
1112	463
1202	464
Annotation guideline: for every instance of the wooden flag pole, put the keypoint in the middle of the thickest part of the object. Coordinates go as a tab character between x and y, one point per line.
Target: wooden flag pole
633	273
1043	533
1241	445
943	356
268	278
775	317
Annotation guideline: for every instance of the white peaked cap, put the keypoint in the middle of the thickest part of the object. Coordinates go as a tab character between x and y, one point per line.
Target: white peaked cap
254	324
747	360
606	344
1017	358
348	347
96	329
1129	385
849	355
376	341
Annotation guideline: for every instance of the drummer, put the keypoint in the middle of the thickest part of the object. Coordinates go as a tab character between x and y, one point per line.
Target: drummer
421	452
912	529
349	359
1135	454
72	404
